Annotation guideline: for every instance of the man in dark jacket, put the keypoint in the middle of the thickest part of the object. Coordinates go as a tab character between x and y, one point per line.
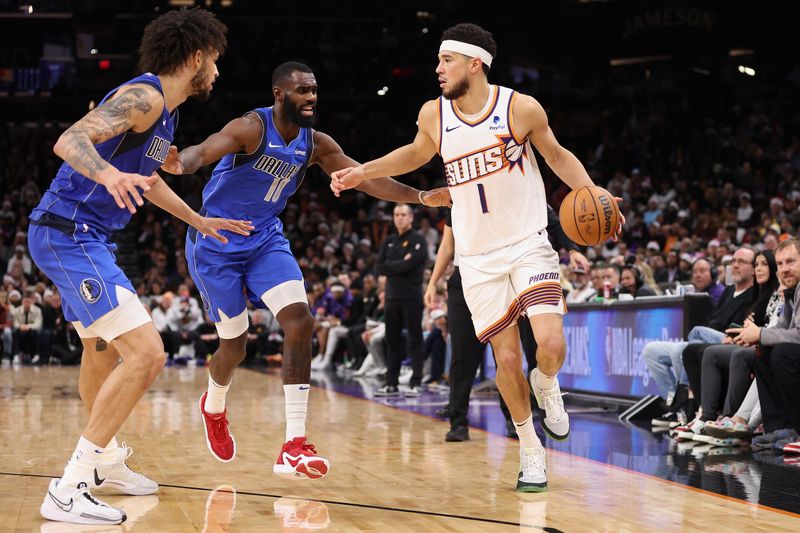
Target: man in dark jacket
402	261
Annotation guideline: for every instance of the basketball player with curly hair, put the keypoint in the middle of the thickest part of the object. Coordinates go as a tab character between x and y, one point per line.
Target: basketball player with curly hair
110	158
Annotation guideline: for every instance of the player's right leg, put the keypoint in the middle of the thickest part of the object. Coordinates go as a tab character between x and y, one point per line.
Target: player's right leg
515	390
218	275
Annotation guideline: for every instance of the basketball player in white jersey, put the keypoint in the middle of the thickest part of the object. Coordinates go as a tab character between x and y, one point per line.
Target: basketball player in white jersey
485	135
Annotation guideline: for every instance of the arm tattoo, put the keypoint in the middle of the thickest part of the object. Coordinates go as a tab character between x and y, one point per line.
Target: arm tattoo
99	125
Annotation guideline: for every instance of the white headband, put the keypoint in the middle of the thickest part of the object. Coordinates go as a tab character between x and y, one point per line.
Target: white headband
468	50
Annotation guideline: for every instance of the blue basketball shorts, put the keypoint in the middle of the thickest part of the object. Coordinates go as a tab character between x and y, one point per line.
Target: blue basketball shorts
80	261
228	275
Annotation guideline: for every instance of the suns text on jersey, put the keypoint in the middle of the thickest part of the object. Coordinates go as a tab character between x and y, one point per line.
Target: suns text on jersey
506	153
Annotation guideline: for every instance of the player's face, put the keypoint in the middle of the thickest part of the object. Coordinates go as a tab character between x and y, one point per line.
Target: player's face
204	79
452	70
300	99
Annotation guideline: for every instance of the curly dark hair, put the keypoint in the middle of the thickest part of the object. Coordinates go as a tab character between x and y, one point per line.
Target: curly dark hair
472	34
171	38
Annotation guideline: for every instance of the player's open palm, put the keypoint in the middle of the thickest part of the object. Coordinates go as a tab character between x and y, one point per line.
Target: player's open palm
123	187
210	227
347	178
172	163
437	197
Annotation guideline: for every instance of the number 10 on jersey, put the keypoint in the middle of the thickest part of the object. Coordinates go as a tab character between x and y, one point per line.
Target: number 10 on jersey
275	190
482	195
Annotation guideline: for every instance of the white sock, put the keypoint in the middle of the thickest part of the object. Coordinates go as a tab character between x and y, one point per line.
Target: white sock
545	382
110	453
296	404
81	465
215	399
526	433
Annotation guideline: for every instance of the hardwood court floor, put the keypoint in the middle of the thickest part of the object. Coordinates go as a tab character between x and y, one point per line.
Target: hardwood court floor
391	470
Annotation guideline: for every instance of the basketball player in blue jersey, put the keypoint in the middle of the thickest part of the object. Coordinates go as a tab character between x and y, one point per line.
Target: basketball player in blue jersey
110	158
265	155
485	135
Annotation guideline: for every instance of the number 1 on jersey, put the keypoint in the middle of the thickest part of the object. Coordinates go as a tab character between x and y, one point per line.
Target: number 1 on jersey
482	194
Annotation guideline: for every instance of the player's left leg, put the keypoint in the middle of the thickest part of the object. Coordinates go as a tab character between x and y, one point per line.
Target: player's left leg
297	458
535	276
98	361
548	329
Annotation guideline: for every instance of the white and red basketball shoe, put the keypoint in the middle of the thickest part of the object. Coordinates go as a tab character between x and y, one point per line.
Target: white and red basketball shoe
299	459
218	438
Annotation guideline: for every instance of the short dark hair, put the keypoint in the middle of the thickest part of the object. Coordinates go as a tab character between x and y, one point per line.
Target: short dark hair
472	34
171	38
284	71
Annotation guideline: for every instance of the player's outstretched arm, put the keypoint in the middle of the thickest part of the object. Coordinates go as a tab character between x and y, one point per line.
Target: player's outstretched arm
133	107
401	161
240	135
330	156
164	197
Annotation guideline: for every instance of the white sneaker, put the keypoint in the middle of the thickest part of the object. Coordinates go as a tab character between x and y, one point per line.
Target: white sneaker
366	366
376	371
405	375
413	392
121	478
532	470
78	506
556	420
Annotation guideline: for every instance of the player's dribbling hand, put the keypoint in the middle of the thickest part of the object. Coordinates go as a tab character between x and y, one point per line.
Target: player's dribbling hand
122	186
347	178
172	163
615	238
437	198
210	227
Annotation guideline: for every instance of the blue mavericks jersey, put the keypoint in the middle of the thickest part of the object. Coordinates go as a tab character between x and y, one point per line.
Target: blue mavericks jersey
257	186
75	197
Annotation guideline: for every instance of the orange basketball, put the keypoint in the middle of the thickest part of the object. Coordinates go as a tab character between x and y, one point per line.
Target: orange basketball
589	215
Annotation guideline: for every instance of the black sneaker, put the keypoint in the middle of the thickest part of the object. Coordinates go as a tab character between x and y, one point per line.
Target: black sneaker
444	412
668	420
457	434
388	390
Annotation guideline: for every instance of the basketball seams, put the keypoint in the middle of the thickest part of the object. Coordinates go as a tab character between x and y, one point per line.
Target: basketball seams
575	216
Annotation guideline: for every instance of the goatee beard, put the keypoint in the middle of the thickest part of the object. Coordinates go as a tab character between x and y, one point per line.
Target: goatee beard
459	90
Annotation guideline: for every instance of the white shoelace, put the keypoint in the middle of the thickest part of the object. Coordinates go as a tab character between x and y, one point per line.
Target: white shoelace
532	460
554	406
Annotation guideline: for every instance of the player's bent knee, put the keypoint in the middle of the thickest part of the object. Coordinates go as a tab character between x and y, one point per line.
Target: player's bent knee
553	345
508	360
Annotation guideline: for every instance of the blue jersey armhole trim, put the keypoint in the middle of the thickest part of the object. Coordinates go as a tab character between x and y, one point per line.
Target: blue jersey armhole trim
241	159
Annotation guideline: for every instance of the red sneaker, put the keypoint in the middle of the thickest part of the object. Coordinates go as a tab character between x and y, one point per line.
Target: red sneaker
218	438
298	458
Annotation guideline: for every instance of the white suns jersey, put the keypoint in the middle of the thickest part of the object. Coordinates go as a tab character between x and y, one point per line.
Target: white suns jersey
497	189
